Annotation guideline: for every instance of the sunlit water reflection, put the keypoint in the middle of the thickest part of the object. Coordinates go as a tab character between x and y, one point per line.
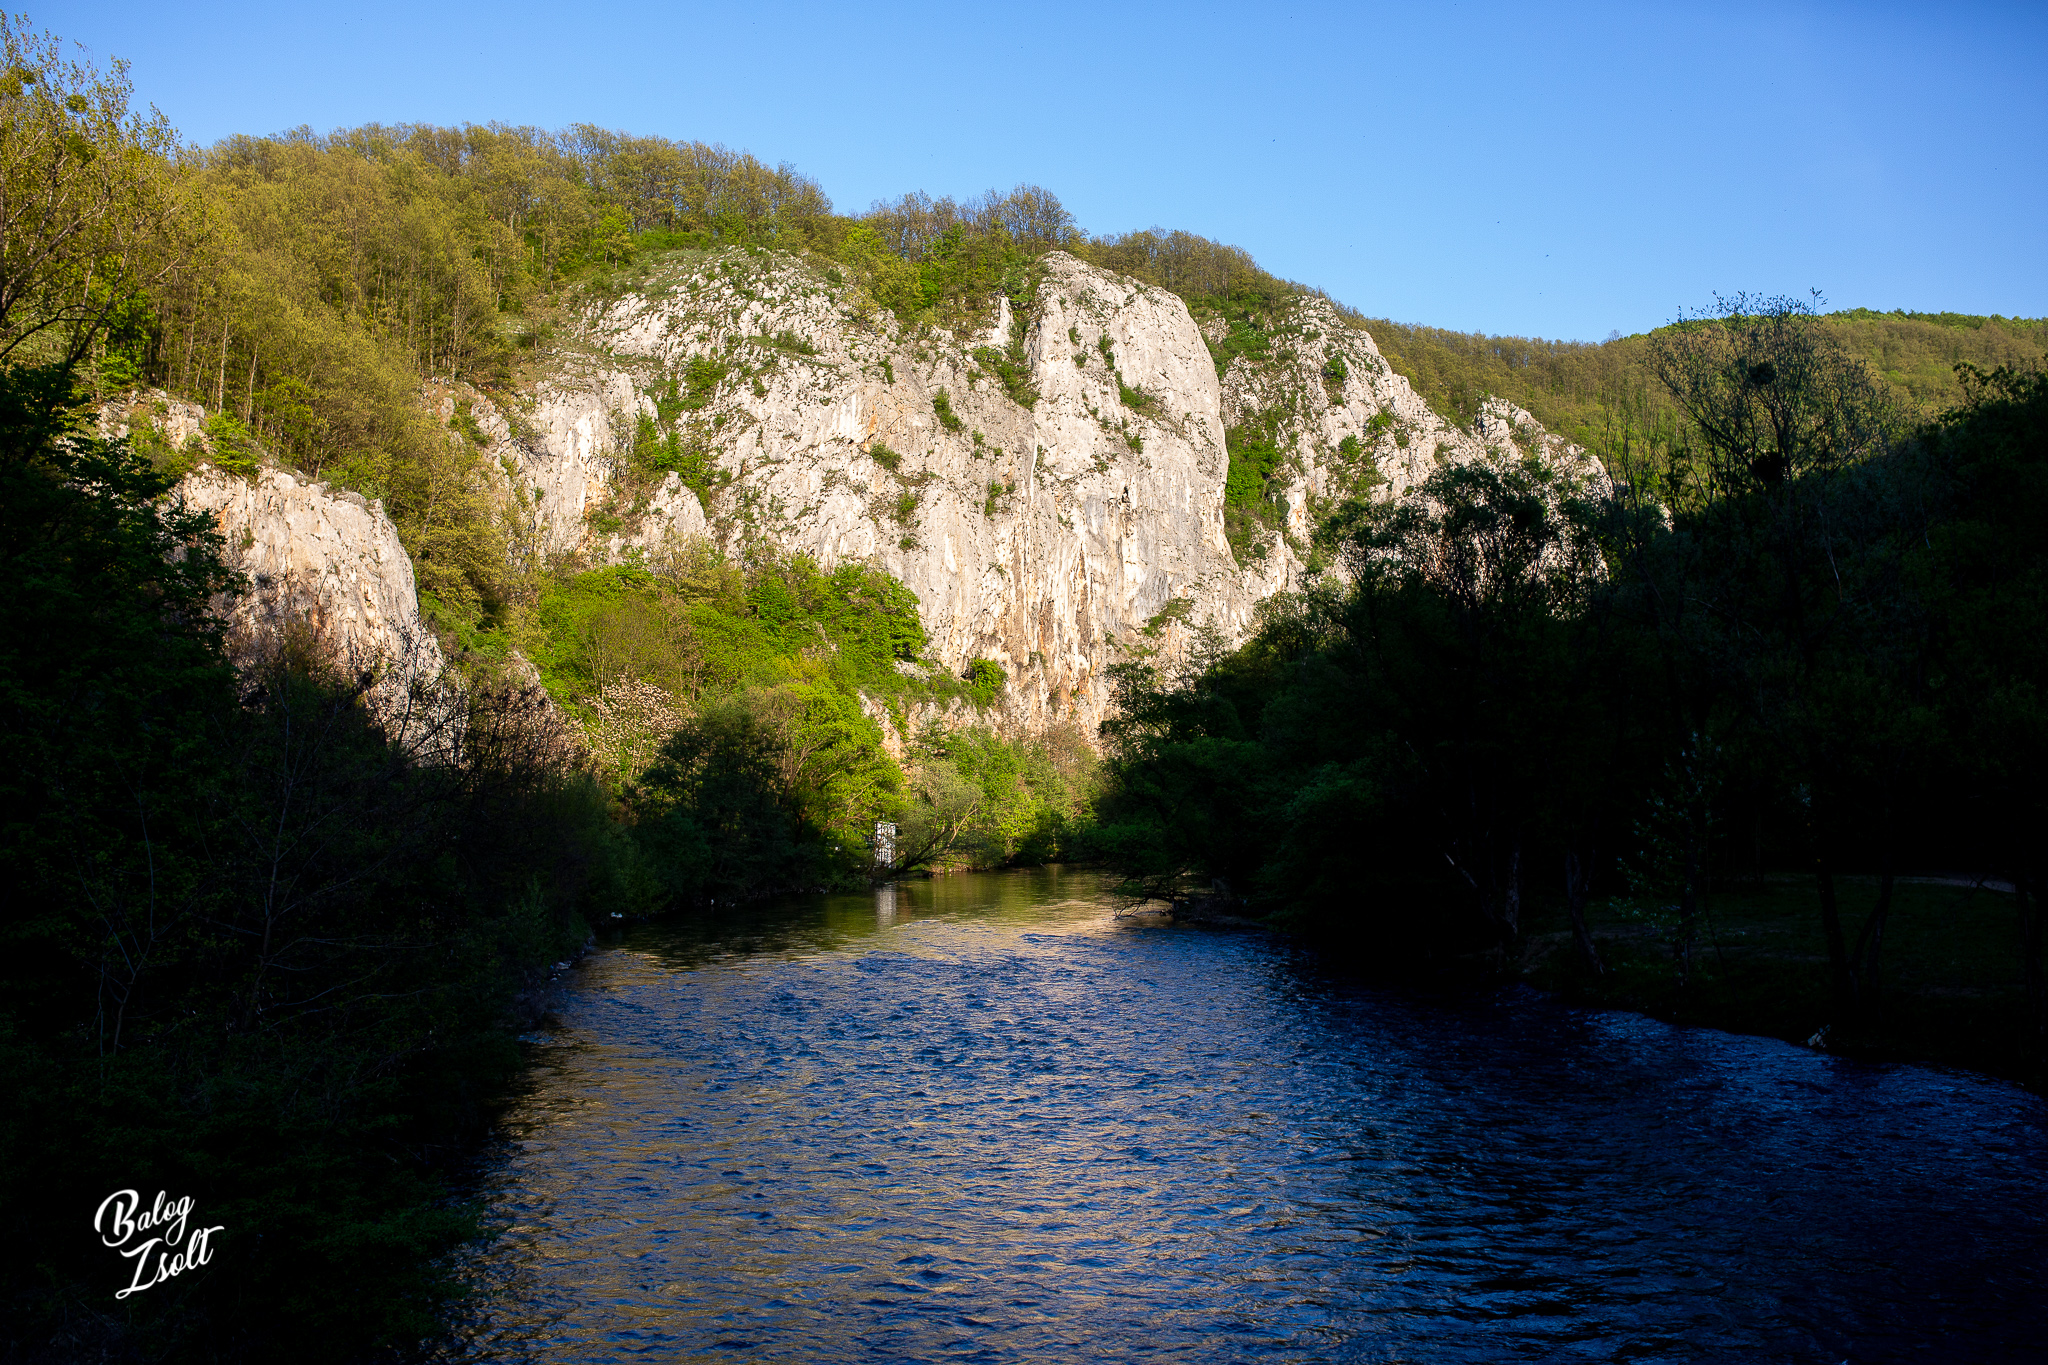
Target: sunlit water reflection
981	1119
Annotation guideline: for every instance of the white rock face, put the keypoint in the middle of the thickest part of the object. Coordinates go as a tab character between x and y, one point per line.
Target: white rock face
1045	538
330	561
176	420
1051	538
1054	536
1400	438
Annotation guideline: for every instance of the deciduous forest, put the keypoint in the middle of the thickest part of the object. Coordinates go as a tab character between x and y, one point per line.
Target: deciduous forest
1750	731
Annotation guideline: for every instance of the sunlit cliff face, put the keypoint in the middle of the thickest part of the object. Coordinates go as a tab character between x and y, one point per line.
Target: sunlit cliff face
1050	521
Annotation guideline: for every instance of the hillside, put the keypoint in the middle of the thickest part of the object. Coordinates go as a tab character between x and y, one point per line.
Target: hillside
1589	391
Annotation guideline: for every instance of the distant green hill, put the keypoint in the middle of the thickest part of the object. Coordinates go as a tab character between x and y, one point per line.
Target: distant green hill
1586	390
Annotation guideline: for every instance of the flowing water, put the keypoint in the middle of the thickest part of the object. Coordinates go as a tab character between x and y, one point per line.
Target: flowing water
981	1118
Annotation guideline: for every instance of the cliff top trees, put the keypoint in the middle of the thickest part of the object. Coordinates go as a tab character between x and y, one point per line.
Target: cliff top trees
1772	393
90	199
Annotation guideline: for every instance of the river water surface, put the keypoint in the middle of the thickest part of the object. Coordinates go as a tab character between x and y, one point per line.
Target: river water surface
982	1119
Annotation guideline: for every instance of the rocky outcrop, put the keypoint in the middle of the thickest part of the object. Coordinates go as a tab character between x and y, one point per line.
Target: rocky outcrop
1350	426
330	564
1048	518
1051	487
178	422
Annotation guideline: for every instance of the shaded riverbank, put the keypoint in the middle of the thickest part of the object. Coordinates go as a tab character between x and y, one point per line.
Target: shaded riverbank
1952	991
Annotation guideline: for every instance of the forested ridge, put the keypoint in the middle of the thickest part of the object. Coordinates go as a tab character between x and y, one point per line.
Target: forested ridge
269	946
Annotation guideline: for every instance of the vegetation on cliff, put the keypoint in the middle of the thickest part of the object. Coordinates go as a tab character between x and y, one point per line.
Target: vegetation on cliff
267	948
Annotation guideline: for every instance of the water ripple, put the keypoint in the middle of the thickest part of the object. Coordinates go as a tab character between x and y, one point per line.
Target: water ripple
980	1119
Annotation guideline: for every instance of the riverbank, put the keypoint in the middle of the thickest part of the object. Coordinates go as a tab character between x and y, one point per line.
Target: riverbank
1951	992
1951	989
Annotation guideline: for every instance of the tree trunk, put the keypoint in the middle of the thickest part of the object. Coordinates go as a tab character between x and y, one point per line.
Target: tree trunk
1863	968
1576	877
2024	892
1511	894
1689	903
1831	920
1869	943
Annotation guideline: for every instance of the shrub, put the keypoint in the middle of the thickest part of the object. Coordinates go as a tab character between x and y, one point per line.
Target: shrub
985	681
702	377
1010	368
943	406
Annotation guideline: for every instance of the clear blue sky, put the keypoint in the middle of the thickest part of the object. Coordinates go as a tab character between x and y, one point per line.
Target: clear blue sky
1516	168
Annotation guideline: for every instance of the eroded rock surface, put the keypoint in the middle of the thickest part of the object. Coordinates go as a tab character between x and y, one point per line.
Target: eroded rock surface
1325	384
1052	533
1052	489
1046	536
328	562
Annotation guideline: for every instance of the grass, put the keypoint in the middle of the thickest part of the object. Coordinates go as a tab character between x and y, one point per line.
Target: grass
1951	991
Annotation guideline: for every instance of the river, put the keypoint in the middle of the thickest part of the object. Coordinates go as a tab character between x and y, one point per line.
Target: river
980	1118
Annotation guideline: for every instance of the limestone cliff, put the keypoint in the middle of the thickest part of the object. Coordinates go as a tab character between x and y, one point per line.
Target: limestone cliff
1325	383
1046	534
324	562
1052	489
330	563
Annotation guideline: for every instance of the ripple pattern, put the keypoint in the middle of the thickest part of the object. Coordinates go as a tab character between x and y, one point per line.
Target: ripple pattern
981	1119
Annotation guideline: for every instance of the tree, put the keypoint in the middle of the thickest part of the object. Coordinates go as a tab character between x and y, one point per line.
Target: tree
1753	594
1987	573
1468	596
91	203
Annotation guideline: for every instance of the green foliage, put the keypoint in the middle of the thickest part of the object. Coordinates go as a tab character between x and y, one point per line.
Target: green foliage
234	448
1606	396
943	406
985	681
885	457
249	929
947	262
465	422
789	341
1816	646
1254	454
95	210
657	451
701	378
1012	371
726	701
1177	609
1032	799
700	626
1332	739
